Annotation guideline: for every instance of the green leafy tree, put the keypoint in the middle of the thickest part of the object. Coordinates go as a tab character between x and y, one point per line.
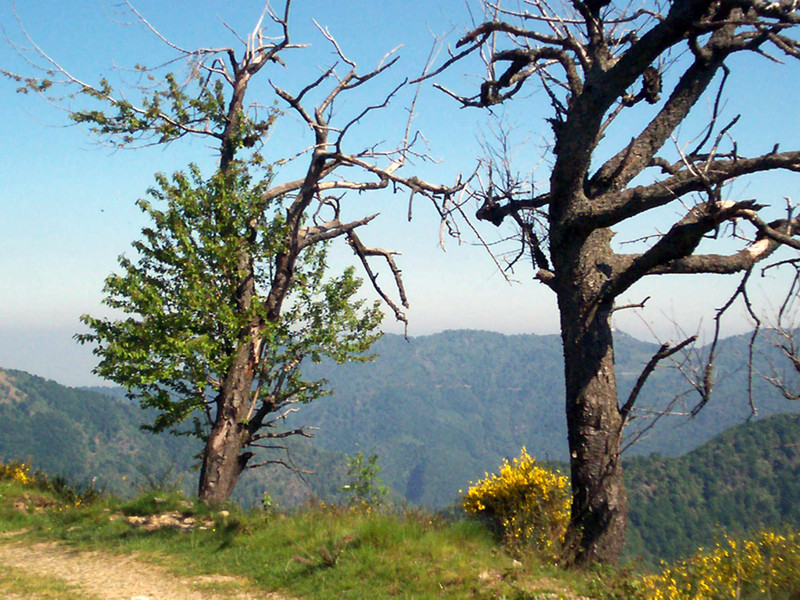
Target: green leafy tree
185	317
366	489
228	294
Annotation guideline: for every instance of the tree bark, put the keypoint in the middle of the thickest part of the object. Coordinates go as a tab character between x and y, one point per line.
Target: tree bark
599	503
222	463
223	459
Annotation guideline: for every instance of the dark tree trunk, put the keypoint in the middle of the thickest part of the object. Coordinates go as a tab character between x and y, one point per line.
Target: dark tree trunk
594	423
599	503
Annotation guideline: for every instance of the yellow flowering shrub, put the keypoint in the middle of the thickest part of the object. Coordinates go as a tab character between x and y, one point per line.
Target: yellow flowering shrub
18	472
767	566
526	504
64	492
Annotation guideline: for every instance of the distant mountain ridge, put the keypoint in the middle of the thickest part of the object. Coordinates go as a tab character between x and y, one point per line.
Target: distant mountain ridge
86	436
439	410
442	409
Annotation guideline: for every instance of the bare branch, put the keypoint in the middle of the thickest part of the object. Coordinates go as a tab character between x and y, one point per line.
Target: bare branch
629	306
614	208
363	254
329	230
673	252
665	351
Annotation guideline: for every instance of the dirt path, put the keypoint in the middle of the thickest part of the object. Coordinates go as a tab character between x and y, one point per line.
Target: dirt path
111	577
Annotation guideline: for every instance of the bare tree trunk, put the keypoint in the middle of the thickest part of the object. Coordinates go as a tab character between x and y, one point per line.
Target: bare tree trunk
594	423
599	504
223	460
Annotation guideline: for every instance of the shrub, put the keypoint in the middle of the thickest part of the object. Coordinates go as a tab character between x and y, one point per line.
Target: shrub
527	505
365	488
18	472
766	566
66	492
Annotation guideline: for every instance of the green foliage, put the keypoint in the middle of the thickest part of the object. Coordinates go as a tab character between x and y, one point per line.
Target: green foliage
745	480
18	472
365	489
63	491
749	477
527	505
268	505
185	315
153	502
164	113
228	292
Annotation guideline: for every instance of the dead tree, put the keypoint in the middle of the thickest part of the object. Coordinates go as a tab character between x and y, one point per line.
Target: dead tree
596	60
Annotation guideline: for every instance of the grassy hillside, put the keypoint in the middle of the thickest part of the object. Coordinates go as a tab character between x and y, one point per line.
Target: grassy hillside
325	552
319	553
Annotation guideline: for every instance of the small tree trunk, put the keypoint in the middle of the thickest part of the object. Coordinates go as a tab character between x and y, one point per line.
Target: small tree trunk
222	463
223	460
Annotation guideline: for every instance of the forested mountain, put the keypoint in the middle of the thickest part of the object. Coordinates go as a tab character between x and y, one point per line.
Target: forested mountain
80	434
744	480
87	435
440	410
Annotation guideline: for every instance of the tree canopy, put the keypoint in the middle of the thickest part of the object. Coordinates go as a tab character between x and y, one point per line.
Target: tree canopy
184	319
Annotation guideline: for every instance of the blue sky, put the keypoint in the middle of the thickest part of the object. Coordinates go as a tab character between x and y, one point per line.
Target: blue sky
67	203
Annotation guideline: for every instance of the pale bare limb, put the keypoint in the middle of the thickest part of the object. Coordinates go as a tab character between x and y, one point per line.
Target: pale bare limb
665	351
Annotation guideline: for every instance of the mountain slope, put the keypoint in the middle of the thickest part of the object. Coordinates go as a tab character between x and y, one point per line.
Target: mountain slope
744	480
85	435
441	410
79	434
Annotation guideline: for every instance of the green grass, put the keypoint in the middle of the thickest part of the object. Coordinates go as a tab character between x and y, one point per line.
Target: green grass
19	584
320	552
330	552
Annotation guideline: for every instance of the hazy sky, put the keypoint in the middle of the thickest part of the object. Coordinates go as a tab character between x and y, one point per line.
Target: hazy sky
67	204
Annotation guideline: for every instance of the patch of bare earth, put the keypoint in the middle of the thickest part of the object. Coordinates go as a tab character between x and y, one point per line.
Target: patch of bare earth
8	391
112	577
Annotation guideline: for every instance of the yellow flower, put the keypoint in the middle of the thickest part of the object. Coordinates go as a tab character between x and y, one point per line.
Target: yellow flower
528	504
768	562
